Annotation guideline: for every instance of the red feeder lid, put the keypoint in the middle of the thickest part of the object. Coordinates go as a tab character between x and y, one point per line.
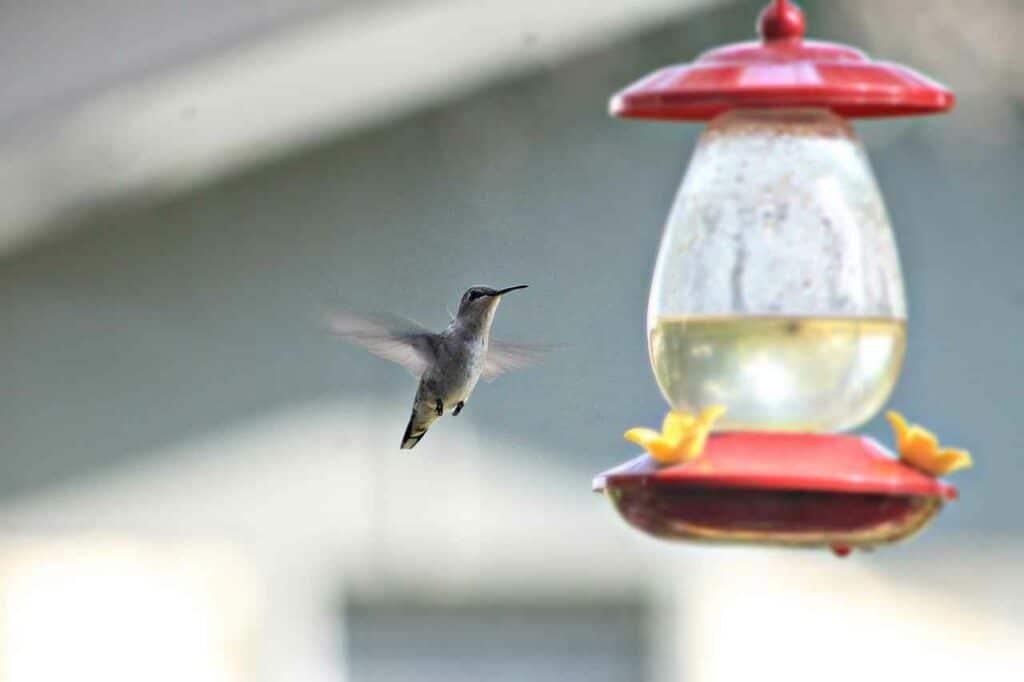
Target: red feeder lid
786	461
783	70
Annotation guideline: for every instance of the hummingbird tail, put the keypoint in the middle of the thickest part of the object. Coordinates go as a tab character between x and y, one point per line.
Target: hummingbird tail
413	433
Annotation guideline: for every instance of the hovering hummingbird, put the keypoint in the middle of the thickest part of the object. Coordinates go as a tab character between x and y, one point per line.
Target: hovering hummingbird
448	364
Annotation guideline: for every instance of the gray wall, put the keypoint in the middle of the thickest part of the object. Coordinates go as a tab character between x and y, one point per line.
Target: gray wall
155	322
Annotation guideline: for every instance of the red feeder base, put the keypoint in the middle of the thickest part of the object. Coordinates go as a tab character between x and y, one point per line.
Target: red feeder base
778	488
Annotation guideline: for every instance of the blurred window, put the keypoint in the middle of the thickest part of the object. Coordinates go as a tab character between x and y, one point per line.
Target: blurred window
497	642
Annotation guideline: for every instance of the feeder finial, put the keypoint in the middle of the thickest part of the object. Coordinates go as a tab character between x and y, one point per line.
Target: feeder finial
781	20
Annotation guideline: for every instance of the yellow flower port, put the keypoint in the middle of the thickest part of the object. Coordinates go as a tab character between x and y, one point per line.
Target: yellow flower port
920	448
682	435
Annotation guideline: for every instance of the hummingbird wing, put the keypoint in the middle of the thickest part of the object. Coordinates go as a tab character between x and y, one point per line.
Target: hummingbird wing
391	338
502	357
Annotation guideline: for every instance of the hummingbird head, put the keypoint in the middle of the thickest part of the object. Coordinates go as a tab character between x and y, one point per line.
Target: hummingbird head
479	303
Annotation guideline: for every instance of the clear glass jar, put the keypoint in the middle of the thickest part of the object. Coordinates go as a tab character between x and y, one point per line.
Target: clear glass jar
777	290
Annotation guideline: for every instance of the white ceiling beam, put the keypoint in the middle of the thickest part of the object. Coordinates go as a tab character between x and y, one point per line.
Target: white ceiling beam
339	74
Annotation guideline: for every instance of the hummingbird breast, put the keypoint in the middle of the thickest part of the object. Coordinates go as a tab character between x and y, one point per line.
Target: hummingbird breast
465	374
459	369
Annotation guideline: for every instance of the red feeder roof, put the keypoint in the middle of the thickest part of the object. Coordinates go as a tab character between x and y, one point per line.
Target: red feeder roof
783	70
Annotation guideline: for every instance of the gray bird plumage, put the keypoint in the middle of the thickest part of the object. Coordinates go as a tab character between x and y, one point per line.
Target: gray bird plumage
448	364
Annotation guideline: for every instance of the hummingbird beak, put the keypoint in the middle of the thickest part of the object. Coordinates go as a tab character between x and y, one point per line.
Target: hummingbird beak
508	289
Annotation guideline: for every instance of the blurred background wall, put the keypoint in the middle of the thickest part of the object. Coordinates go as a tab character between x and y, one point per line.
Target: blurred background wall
185	186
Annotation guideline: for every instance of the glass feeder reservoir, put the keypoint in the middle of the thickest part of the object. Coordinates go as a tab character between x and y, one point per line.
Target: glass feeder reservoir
777	289
777	294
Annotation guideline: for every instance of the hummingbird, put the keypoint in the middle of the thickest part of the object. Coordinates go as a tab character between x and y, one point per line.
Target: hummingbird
448	364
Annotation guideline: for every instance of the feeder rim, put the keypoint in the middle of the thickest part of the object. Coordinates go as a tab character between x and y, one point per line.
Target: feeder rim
834	463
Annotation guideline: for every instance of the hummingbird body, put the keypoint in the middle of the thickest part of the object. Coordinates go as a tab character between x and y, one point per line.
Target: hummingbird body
447	383
448	364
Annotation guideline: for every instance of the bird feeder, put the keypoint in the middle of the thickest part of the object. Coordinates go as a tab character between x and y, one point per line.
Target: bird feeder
777	295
